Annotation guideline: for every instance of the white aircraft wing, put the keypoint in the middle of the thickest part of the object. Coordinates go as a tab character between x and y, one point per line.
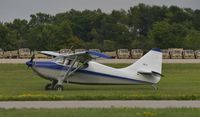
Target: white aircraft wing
51	53
55	54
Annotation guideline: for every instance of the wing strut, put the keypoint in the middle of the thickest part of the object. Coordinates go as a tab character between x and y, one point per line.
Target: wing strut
66	75
70	70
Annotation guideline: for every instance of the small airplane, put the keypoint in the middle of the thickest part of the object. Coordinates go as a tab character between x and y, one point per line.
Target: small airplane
80	68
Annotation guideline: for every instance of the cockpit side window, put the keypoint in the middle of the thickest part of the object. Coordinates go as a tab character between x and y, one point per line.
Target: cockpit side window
68	61
59	60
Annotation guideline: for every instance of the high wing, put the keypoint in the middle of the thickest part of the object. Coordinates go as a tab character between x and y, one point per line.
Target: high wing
50	53
94	53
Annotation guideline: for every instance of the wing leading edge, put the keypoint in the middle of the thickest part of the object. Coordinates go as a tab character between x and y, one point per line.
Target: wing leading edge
55	54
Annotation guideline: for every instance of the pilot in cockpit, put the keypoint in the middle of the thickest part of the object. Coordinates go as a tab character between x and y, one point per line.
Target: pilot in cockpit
67	61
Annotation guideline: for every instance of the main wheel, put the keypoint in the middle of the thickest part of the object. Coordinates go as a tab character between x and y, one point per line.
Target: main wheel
48	86
58	87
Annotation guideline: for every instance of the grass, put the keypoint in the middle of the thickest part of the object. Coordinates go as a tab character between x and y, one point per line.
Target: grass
102	112
181	82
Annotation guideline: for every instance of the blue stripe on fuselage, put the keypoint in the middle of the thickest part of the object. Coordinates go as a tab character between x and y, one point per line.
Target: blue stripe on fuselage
49	65
54	66
112	76
157	49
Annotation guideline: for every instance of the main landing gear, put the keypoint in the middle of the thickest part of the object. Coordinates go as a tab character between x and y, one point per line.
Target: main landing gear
57	84
154	87
54	86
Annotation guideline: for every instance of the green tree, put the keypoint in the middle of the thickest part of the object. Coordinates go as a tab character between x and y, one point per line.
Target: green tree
142	17
39	19
108	45
75	42
166	35
7	37
20	27
192	40
63	34
142	26
196	20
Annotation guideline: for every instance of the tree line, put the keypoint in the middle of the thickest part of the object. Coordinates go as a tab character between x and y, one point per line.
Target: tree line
141	26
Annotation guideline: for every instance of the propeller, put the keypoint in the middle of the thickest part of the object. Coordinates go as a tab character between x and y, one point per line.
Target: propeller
30	63
32	57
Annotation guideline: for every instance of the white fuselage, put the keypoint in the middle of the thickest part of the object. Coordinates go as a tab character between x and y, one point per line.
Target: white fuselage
95	73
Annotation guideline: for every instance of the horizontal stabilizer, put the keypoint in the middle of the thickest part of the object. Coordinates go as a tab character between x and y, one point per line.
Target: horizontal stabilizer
149	72
145	71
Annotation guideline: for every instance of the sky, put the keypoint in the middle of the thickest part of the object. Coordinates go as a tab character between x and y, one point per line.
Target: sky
11	9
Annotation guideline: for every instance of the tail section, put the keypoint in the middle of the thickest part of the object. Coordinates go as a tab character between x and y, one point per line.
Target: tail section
149	63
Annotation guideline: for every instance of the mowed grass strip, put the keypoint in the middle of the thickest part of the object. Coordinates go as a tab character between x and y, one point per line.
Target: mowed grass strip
102	112
180	82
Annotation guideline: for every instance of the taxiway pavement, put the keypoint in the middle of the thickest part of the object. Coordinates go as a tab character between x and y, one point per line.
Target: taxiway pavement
100	104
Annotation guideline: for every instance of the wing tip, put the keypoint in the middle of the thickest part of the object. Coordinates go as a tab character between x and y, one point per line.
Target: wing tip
156	49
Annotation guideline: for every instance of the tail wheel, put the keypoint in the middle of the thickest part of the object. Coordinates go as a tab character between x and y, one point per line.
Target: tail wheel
58	87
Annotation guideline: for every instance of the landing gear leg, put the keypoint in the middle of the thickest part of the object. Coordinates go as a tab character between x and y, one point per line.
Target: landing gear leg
154	86
59	86
50	86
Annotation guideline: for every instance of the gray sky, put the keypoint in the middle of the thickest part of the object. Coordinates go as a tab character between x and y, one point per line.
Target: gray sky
11	9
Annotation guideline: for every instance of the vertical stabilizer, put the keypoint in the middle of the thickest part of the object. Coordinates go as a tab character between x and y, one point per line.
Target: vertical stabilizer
149	63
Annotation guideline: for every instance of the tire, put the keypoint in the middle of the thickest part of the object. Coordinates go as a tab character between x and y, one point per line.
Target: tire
48	87
58	88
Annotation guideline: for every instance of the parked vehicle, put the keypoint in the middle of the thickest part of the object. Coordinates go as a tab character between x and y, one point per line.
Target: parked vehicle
24	53
123	54
14	54
38	55
1	53
136	53
176	53
10	54
197	54
112	54
7	54
188	54
165	54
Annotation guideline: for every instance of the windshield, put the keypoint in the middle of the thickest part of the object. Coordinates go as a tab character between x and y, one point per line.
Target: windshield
62	60
59	59
66	51
79	50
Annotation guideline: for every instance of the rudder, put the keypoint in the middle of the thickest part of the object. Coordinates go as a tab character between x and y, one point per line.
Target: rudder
151	62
